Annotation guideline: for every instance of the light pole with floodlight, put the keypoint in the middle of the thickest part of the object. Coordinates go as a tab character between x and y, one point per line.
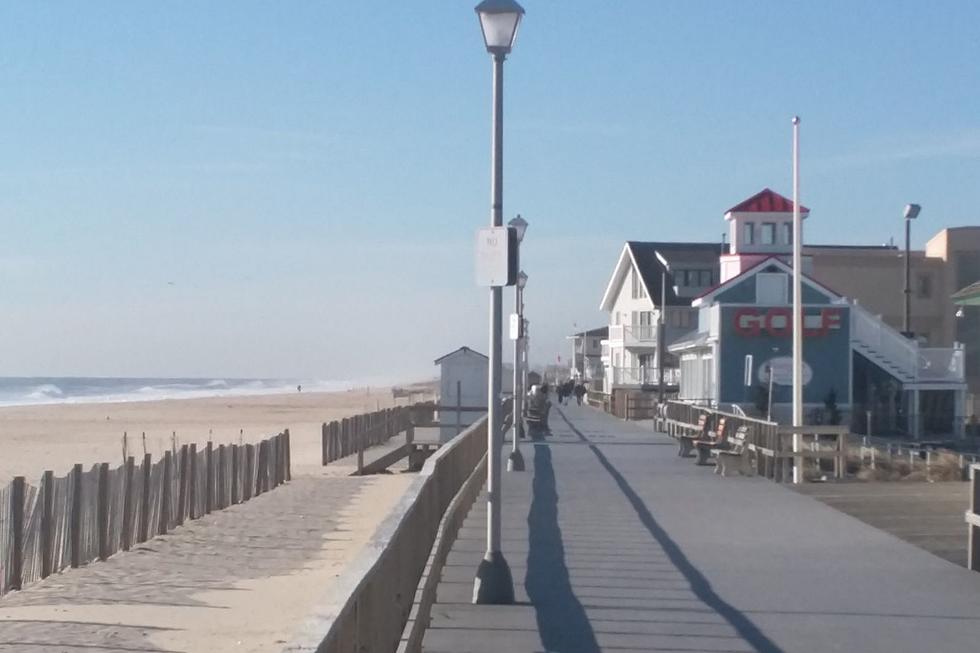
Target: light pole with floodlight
662	327
493	584
515	463
911	213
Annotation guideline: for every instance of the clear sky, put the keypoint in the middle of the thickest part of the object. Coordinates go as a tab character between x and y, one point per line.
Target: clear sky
292	189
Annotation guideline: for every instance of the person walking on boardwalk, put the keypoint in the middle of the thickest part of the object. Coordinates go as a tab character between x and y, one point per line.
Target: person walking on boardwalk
579	393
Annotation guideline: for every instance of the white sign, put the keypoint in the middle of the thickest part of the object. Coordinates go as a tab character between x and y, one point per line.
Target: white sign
493	257
781	369
515	326
748	369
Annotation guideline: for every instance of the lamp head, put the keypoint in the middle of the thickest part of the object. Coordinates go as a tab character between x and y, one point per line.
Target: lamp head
663	261
520	226
499	20
959	312
521	280
912	211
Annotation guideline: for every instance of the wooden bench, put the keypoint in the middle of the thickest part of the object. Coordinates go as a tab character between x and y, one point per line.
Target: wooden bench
705	445
537	419
691	434
734	454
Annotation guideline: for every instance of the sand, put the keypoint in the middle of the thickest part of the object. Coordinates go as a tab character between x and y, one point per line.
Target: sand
55	437
242	579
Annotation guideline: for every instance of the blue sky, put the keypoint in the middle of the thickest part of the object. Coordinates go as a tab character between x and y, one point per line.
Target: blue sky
292	189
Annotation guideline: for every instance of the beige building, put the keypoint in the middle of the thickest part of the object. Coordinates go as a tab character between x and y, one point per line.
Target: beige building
875	277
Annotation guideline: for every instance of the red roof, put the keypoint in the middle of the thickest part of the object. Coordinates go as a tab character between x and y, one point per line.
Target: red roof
766	201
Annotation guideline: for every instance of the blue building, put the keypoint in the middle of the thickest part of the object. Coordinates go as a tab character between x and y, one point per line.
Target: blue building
854	363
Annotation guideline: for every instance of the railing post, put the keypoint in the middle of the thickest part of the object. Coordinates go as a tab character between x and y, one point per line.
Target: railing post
126	538
192	480
144	529
75	521
208	478
973	543
102	511
235	469
287	457
220	479
47	522
324	444
182	476
166	493
16	528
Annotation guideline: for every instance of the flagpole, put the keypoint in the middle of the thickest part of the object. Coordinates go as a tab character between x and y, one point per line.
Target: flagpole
797	309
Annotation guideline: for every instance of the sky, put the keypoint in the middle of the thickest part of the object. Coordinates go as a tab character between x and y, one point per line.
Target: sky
258	189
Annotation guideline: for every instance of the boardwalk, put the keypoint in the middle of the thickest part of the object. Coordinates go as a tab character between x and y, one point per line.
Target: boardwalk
618	545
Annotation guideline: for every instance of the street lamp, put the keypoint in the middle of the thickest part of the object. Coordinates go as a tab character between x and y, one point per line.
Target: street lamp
515	463
493	583
911	213
662	327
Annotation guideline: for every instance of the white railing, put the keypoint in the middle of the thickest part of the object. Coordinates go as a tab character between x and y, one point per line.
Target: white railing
640	334
941	364
914	363
643	376
897	350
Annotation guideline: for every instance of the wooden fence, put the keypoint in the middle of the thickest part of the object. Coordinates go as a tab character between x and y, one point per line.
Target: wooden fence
371	602
84	516
350	435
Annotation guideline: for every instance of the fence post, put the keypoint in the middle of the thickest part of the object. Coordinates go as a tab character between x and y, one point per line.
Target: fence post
165	495
192	483
47	526
144	530
16	570
344	435
324	444
102	511
259	463
182	485
235	487
75	523
973	544
209	478
126	538
249	468
287	458
220	501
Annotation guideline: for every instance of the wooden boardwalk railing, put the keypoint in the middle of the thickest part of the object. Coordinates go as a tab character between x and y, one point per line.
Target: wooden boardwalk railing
84	516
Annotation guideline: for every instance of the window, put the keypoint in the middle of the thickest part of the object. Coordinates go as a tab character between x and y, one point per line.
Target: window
925	286
705	279
637	290
748	233
771	288
788	233
768	233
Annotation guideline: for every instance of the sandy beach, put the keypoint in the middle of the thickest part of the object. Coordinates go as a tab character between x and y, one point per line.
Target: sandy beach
241	579
56	436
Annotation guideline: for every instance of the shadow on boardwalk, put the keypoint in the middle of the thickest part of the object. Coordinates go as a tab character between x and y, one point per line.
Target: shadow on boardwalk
699	585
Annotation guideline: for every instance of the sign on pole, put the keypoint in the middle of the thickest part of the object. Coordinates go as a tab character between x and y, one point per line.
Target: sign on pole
496	256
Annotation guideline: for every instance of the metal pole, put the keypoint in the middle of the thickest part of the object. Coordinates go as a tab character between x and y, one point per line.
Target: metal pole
661	337
515	463
493	583
908	274
797	308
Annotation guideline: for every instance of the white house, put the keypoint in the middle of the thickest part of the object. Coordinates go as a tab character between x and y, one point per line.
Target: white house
634	299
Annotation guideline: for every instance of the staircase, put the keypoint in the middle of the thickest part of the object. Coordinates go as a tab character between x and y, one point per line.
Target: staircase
900	356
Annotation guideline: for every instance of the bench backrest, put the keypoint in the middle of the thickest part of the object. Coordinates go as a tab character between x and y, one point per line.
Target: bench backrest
720	428
737	439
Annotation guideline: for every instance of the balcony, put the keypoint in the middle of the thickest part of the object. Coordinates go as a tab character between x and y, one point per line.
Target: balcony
640	336
638	376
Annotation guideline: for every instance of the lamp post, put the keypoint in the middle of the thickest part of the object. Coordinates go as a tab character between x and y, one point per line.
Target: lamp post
911	213
515	463
493	584
662	327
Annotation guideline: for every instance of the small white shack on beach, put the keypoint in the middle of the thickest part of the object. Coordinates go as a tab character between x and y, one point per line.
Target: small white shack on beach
463	375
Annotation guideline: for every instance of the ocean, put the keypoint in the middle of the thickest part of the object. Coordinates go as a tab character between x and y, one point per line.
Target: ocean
26	391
